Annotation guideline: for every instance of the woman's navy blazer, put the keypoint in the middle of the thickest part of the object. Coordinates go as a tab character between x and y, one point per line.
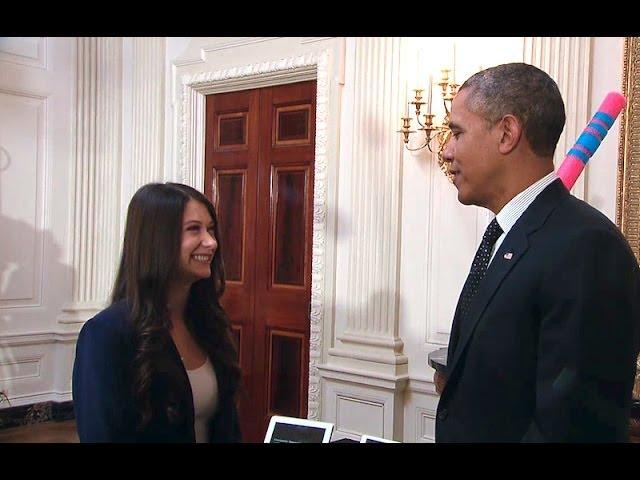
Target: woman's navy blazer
102	389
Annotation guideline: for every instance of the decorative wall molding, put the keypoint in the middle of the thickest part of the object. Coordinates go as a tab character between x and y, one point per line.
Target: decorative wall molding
425	421
147	111
95	209
23	247
368	409
23	93
191	161
422	384
30	368
449	249
376	191
37	338
36	201
308	40
628	181
357	376
395	343
367	365
28	51
187	62
568	61
362	402
216	47
374	357
265	74
235	43
6	364
39	397
371	333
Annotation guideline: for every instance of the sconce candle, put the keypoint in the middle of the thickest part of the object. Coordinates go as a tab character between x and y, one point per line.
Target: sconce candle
436	133
430	92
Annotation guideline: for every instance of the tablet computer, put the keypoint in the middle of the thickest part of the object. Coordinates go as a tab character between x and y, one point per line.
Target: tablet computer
297	430
372	439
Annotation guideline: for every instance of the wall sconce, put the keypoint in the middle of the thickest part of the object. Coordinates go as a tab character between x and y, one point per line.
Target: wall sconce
436	135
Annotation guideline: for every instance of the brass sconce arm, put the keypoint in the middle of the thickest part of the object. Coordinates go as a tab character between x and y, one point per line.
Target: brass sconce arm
436	135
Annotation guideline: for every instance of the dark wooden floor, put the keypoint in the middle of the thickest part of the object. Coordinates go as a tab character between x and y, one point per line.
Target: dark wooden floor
46	432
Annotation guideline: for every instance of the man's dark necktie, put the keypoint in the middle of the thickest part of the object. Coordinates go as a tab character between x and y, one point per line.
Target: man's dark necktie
478	267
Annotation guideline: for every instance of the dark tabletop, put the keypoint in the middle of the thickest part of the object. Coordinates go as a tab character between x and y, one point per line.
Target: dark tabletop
438	359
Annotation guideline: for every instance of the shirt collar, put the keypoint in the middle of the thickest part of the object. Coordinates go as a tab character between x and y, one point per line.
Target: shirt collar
513	210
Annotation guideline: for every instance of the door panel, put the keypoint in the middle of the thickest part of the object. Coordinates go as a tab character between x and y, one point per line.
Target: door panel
231	158
286	357
260	148
290	185
283	275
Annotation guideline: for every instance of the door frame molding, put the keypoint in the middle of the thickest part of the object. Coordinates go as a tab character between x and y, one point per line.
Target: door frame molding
191	162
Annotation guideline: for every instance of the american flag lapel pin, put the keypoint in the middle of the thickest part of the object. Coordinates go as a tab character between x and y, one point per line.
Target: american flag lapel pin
508	256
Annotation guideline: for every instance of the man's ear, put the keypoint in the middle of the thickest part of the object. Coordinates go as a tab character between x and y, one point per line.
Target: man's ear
510	131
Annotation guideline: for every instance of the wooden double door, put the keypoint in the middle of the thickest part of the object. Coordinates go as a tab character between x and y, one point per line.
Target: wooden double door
260	147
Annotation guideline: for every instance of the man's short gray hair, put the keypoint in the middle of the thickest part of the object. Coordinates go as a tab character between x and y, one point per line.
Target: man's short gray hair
525	92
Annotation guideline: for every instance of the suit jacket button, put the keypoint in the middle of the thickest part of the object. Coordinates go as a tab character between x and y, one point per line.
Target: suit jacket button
442	415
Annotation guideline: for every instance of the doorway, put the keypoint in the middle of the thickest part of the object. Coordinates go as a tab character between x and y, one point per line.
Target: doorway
259	167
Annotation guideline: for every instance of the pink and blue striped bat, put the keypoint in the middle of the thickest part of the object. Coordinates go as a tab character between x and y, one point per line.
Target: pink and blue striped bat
590	139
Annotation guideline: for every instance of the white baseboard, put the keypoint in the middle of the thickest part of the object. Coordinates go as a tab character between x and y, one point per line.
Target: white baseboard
30	399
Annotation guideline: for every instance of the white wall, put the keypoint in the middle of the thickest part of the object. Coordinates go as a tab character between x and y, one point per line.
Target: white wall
601	172
36	128
72	156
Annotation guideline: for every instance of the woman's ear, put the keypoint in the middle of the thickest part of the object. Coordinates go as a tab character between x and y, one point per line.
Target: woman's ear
510	131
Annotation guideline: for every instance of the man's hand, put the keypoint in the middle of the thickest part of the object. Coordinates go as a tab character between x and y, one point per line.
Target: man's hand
440	380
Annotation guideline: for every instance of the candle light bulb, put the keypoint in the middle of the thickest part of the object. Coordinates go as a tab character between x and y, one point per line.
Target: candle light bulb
430	92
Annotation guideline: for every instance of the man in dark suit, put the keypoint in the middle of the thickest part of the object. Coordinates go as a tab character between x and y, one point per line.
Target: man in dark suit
546	332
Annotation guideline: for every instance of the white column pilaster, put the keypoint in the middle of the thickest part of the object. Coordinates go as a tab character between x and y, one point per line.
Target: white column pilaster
369	351
147	111
143	117
96	169
568	61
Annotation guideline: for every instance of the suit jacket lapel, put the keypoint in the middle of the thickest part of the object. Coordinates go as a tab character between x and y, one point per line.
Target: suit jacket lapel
511	250
515	244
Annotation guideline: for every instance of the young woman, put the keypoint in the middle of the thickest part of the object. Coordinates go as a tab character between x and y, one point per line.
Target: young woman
159	364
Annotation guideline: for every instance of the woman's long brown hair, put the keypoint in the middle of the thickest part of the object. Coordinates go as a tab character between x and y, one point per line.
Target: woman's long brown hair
148	263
